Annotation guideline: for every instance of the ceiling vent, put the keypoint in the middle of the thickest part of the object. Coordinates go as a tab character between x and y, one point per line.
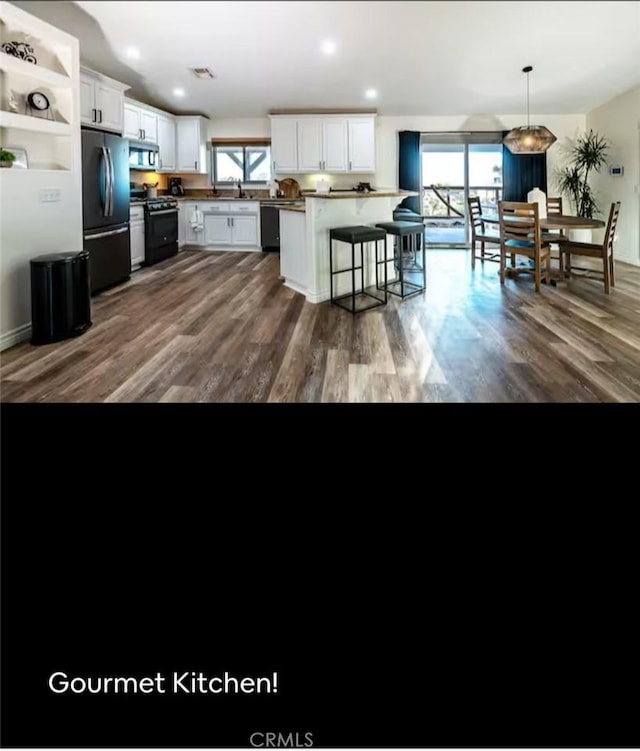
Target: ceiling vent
202	73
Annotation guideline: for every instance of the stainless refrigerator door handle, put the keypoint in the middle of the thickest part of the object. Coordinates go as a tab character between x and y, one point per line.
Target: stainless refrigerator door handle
107	175
112	171
100	235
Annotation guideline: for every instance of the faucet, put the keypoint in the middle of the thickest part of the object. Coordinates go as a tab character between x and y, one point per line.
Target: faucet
240	193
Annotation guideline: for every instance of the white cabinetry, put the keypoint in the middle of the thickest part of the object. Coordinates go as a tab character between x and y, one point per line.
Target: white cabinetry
166	144
191	148
101	101
229	224
284	144
217	229
322	145
139	123
149	122
331	143
137	236
362	144
132	116
244	230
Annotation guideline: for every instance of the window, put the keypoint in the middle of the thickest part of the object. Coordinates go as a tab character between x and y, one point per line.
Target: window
240	161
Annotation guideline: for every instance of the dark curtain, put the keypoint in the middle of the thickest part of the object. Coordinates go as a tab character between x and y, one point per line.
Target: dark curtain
522	173
409	168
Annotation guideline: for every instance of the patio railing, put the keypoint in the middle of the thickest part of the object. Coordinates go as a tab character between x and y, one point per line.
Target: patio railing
447	201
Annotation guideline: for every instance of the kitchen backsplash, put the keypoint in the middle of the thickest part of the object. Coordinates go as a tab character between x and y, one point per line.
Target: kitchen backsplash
203	183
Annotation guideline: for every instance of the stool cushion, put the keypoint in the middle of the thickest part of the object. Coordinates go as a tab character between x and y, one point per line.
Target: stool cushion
401	228
357	234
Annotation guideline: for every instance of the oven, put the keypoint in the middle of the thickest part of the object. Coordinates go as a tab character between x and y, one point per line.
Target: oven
160	230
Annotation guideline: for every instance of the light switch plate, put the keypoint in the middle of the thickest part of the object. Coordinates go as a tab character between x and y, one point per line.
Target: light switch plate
49	195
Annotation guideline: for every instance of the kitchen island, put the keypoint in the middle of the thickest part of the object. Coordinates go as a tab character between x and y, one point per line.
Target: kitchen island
304	236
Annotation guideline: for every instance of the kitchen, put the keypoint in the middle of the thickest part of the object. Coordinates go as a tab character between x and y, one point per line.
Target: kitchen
204	162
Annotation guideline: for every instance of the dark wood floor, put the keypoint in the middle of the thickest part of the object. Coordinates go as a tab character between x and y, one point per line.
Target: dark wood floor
221	327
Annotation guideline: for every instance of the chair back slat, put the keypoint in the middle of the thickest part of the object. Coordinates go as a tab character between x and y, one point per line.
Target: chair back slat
610	232
554	206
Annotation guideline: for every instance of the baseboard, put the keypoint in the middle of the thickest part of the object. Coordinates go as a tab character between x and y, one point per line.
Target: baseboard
11	338
297	288
630	261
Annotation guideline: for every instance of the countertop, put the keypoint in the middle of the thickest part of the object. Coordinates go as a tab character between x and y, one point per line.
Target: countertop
299	209
237	200
384	193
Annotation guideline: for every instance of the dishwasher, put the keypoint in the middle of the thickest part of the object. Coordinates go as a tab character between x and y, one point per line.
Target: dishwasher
270	227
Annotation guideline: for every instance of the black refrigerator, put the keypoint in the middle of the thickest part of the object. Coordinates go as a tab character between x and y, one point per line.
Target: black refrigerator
105	207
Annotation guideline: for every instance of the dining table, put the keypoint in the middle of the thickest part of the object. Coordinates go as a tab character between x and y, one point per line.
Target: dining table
555	222
562	222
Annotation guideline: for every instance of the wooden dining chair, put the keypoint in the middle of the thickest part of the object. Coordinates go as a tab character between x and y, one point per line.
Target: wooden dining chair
554	208
603	250
520	233
479	234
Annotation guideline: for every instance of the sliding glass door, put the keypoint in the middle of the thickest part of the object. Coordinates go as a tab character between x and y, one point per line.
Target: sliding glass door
454	167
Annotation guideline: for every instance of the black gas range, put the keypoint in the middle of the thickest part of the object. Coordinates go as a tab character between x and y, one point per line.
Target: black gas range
160	229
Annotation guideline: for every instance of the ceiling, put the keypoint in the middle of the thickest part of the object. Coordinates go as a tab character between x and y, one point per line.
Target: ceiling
423	58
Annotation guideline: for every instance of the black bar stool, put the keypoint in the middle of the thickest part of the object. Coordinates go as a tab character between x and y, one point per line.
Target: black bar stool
359	300
406	258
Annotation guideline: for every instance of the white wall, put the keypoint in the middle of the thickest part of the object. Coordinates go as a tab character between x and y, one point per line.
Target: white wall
240	127
619	121
28	227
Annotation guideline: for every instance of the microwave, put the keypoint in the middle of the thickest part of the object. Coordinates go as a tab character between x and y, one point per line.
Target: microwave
143	156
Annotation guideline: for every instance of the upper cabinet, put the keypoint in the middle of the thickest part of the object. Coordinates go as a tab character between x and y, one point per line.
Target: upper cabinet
166	143
362	144
284	144
191	144
101	101
140	123
132	121
145	123
331	143
322	145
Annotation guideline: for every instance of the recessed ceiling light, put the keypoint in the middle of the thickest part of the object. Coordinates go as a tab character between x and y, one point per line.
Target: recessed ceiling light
133	53
371	93
178	92
329	47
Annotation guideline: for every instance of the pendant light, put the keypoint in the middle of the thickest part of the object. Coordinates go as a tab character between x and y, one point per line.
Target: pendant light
529	139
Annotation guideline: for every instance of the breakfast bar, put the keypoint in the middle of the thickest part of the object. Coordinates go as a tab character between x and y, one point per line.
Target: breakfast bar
304	234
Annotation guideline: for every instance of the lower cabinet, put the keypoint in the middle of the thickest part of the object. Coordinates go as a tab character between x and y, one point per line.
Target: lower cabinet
217	230
226	225
230	230
136	228
244	230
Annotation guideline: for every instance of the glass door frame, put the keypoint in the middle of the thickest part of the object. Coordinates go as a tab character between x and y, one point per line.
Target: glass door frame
465	139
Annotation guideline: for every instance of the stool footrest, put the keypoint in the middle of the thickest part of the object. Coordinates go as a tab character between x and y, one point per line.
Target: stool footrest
364	300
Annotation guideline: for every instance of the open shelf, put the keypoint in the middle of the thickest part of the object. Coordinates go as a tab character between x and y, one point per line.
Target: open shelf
11	64
35	124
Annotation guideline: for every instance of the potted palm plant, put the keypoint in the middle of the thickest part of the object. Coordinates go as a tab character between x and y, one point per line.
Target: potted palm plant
7	158
587	155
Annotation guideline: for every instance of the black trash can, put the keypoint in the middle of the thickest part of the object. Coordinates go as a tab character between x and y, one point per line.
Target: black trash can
60	296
